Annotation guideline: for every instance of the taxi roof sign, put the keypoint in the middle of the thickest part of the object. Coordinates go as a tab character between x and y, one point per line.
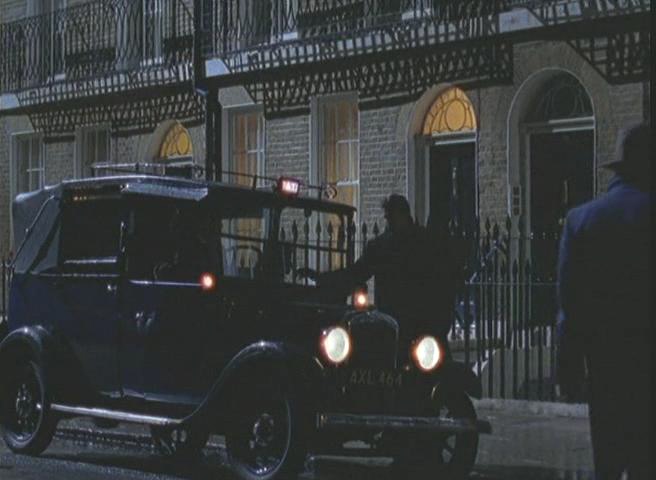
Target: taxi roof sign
288	186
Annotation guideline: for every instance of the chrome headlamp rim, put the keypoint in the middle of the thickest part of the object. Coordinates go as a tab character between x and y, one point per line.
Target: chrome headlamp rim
336	345
427	353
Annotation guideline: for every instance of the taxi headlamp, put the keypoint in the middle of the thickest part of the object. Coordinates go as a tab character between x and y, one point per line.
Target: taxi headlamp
336	345
427	353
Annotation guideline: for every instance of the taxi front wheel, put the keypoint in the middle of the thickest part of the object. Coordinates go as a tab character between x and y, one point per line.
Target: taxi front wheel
27	423
445	455
264	437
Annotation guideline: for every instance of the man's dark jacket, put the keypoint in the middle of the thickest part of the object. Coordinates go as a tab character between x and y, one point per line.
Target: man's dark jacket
415	279
604	318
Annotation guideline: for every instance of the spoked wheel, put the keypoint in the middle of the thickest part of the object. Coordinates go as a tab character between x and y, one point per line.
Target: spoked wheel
447	455
179	442
264	437
27	424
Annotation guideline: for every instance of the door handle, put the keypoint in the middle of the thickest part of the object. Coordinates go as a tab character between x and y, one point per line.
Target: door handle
144	322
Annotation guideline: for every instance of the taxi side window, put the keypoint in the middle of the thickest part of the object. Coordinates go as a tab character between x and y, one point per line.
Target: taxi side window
167	243
90	235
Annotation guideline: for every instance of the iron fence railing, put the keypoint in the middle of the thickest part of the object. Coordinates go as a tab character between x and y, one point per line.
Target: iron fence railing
94	39
504	318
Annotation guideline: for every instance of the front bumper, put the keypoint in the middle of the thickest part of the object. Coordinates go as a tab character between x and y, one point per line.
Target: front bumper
377	423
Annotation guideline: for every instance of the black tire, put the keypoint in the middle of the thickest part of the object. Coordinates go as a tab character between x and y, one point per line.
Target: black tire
446	456
27	423
179	443
265	436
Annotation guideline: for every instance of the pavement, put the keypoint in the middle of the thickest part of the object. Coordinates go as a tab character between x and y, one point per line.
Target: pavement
529	442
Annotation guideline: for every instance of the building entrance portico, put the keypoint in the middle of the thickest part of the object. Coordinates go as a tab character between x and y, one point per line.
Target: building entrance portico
450	131
560	174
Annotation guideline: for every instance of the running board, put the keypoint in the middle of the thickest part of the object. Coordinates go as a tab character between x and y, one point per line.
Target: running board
116	415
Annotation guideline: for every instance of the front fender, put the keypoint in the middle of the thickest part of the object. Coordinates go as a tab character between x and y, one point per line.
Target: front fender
456	377
34	342
301	367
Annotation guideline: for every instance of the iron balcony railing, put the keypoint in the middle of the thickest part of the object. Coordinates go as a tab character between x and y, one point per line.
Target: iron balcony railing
93	40
249	35
233	25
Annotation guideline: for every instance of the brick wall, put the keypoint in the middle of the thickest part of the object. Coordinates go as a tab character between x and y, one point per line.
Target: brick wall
288	147
197	135
124	149
382	161
59	162
492	105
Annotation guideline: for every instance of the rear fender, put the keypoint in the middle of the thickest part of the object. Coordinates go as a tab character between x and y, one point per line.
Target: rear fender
58	366
455	377
300	367
33	342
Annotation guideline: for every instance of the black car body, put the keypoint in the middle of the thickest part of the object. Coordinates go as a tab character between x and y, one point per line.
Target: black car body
180	304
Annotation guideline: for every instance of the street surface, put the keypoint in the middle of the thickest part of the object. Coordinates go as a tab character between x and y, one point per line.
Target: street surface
526	447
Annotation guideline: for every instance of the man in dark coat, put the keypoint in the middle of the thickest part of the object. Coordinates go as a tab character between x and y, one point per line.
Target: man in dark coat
415	276
605	319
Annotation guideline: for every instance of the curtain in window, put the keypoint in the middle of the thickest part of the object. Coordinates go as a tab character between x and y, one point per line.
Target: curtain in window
29	164
340	149
247	145
94	150
247	157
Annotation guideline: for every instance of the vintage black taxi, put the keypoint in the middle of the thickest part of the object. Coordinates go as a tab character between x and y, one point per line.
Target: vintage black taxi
187	306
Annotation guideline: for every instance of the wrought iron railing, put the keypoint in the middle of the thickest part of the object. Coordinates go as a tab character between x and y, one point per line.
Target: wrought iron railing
234	25
505	319
94	39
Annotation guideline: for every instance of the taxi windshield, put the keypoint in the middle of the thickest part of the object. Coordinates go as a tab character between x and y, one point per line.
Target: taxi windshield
312	242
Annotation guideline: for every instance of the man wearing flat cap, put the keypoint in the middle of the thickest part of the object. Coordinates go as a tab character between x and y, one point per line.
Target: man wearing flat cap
604	319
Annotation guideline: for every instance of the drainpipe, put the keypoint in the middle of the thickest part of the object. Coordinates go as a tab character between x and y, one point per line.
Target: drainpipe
210	94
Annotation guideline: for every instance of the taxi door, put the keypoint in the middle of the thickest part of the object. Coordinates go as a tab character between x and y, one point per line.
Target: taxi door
82	291
169	328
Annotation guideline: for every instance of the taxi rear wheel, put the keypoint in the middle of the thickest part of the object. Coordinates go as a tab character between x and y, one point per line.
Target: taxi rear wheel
264	437
28	426
444	455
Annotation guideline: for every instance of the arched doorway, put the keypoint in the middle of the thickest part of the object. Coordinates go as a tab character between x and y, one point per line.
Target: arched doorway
559	135
450	130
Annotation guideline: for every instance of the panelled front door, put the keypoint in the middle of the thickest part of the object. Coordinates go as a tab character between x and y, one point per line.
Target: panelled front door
453	186
561	177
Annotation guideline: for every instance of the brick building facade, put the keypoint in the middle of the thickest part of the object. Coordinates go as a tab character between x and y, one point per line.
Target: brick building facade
386	148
